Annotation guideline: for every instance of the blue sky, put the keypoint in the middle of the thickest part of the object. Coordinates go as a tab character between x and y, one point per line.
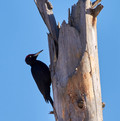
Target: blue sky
22	31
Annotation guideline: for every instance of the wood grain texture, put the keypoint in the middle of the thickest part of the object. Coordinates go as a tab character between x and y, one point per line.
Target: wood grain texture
48	17
74	63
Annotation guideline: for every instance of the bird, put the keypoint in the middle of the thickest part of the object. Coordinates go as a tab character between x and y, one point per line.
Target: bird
41	75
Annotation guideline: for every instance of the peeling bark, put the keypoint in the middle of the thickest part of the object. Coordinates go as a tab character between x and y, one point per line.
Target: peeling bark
74	61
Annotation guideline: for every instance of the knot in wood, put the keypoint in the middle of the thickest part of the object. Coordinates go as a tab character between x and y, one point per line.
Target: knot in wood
49	5
80	103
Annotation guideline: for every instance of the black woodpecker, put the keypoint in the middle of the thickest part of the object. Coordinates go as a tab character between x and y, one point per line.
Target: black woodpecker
41	75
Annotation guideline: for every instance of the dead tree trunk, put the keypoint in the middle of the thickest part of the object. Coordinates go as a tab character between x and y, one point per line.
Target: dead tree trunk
74	61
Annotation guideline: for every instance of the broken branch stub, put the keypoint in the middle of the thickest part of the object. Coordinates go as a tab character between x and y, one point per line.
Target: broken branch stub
45	9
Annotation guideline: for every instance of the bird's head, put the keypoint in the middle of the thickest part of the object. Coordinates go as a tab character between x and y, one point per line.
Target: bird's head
31	58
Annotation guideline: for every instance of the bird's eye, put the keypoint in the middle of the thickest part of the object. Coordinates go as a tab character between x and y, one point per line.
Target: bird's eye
30	56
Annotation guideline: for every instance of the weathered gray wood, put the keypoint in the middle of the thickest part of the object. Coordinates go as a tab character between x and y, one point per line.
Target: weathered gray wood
74	62
45	9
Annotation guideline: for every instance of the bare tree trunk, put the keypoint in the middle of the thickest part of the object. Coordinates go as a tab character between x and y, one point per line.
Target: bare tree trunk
74	62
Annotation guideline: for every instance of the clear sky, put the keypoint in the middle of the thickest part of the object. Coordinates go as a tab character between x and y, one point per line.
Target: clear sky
22	31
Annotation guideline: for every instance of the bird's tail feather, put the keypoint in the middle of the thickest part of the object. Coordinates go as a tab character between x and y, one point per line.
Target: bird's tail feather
51	101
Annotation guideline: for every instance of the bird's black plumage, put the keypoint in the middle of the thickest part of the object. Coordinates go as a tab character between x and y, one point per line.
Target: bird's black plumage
41	75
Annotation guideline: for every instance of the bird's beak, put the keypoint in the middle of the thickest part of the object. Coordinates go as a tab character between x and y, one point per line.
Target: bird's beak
38	53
